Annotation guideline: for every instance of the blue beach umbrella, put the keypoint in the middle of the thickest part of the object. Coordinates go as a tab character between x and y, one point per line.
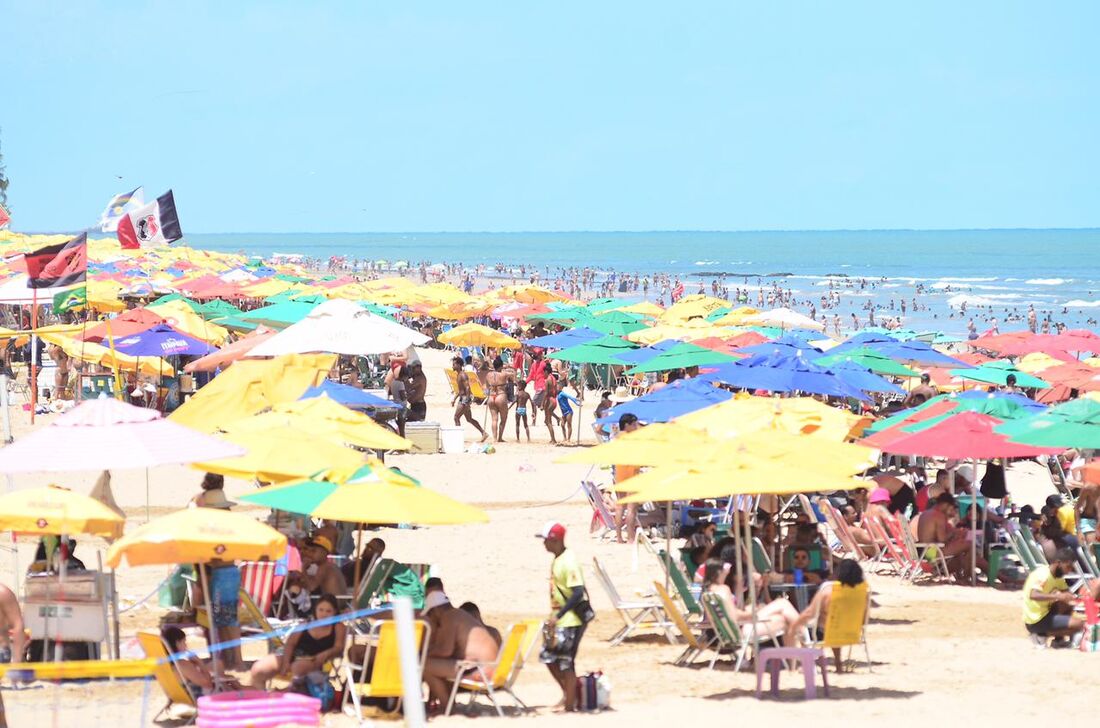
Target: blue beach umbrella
673	400
349	396
783	373
565	339
162	340
864	379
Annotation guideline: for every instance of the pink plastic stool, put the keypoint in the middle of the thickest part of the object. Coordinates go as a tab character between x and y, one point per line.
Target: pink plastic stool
772	660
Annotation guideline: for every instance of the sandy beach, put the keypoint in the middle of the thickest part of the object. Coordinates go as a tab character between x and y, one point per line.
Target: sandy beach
937	650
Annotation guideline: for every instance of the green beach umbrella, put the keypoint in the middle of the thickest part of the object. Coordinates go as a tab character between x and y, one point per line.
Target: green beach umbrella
279	315
1003	408
682	356
194	305
1071	424
600	351
234	323
997	372
611	328
869	359
217	308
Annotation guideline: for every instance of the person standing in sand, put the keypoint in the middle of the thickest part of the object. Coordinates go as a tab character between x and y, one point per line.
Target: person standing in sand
498	398
416	387
549	403
567	597
523	402
463	400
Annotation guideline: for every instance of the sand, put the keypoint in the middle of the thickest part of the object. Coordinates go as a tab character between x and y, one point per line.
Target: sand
939	652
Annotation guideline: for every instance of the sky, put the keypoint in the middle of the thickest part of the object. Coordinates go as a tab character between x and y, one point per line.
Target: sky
516	116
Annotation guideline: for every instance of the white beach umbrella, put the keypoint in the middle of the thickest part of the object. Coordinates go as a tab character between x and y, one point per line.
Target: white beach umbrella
785	318
341	327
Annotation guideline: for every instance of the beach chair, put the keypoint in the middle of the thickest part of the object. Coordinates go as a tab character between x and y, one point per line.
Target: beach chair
729	635
682	584
927	557
603	521
846	622
167	674
372	587
476	678
696	645
761	562
641	614
384	660
891	553
257	578
839	527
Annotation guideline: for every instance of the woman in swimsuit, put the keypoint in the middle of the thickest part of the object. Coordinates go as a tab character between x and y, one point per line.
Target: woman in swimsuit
306	651
498	398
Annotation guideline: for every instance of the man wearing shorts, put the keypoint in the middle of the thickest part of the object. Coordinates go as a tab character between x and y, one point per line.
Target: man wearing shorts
566	594
1048	602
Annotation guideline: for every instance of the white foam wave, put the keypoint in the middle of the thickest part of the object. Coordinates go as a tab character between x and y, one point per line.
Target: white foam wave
1078	303
1047	281
706	262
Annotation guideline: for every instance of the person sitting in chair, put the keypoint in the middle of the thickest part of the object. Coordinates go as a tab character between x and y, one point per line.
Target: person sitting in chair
306	651
456	636
849	574
1048	602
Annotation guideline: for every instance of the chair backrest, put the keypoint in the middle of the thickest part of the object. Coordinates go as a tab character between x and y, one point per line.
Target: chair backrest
374	582
680	582
760	559
608	585
385	678
725	629
1028	539
595	498
809	510
257	578
166	672
510	657
676	616
530	638
847	615
881	534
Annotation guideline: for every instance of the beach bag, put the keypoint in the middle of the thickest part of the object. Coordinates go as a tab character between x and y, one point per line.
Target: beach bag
593	692
993	482
1090	641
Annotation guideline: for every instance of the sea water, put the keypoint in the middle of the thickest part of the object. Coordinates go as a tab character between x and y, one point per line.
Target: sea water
996	273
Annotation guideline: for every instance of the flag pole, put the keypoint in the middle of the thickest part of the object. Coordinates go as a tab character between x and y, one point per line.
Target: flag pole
34	352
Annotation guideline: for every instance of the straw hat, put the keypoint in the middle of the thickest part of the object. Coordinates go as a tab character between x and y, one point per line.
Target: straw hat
215	498
621	394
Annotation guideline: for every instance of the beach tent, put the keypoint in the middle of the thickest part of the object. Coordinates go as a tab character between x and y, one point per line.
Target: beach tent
672	400
341	327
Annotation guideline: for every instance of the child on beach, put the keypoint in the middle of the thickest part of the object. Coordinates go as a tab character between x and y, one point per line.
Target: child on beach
565	402
523	401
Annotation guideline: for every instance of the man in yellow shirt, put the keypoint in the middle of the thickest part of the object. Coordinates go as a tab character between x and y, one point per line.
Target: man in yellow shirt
1048	602
569	615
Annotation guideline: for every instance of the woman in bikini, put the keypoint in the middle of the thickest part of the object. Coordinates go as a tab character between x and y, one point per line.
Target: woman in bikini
306	651
498	398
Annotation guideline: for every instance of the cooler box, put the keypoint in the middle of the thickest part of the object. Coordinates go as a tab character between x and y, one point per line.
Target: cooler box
425	436
452	440
71	611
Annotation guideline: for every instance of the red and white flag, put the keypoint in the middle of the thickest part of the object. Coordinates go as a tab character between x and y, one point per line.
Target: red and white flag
153	224
5	218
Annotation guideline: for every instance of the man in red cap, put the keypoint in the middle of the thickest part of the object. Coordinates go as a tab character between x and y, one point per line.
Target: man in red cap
569	616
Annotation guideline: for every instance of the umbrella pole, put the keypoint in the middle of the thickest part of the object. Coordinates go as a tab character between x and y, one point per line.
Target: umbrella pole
358	563
668	542
749	572
974	525
736	528
214	656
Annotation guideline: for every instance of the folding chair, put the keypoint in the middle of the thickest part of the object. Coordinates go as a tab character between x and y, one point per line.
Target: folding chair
257	578
603	521
846	622
372	587
683	586
928	557
167	674
384	660
890	552
729	634
489	677
696	645
637	614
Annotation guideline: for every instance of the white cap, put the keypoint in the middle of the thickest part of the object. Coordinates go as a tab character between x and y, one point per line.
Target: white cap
435	599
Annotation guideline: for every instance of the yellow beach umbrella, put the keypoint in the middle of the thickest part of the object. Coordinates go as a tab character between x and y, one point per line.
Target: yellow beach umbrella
797	415
477	335
644	308
324	417
279	454
693	306
1037	361
1092	361
372	493
693	330
54	510
656	444
737	316
748	475
198	536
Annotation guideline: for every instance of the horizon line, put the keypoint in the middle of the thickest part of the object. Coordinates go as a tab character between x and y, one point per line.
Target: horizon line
647	232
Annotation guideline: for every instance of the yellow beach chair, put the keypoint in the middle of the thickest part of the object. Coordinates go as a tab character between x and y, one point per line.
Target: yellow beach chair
695	645
168	676
489	677
476	390
384	659
846	622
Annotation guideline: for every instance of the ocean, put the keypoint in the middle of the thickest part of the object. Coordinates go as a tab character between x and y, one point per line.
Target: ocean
995	273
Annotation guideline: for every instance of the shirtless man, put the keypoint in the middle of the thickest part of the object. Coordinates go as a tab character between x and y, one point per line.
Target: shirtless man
416	387
498	382
1088	508
922	392
934	526
463	399
456	636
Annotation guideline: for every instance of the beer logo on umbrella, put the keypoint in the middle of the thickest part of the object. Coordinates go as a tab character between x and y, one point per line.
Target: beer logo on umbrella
42	523
219	549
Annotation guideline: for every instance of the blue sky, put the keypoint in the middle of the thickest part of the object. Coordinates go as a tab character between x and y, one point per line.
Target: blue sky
398	116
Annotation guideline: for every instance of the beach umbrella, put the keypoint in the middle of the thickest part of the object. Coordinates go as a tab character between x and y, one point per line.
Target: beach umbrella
795	415
917	352
643	308
696	305
610	326
281	453
785	318
372	493
1037	362
230	352
1078	340
349	396
681	356
565	339
997	372
56	511
786	344
161	340
472	334
783	373
659	443
600	351
1073	424
862	340
278	315
859	377
104	434
672	400
341	327
868	358
324	417
1002	405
